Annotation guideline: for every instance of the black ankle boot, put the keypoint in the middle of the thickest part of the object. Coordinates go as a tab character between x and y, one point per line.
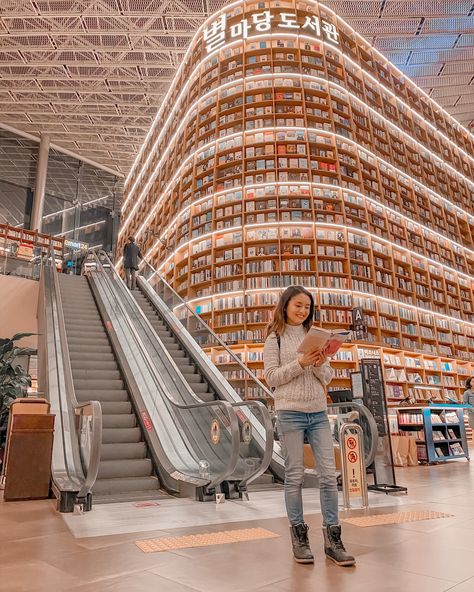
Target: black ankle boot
334	548
299	540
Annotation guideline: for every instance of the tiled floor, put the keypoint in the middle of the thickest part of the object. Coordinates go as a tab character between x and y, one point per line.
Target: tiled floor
41	550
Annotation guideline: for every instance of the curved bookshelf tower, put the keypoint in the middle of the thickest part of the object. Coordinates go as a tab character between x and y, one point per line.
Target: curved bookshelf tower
289	151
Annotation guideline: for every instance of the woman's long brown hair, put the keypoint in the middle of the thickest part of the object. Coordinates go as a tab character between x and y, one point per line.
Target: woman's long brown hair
277	324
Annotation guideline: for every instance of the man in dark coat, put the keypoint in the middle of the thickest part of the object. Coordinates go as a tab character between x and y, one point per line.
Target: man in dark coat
131	255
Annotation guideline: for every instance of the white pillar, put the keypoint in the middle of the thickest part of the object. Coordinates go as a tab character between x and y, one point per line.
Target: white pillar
40	184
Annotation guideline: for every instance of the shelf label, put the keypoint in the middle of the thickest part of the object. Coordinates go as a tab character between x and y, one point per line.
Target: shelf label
219	32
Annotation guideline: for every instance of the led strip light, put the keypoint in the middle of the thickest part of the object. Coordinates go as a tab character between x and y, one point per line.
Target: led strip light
276	129
324	186
154	175
345	26
314	225
357	293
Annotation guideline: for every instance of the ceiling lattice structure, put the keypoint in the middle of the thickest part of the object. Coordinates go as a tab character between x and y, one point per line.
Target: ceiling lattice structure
92	72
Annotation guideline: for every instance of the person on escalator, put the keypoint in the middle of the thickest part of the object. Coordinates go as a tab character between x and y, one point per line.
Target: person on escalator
299	382
131	255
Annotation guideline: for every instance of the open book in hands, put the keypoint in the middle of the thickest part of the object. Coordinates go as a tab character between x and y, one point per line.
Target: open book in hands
326	340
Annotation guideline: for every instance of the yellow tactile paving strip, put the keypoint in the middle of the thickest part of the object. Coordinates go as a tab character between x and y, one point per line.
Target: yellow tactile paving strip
394	518
205	539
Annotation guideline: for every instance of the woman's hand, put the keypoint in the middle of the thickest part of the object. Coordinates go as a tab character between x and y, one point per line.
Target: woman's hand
311	358
320	360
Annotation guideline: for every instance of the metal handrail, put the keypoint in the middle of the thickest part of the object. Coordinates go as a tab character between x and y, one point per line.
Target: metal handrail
238	361
96	411
224	405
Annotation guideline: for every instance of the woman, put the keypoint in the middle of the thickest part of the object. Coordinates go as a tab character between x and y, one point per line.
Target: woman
468	399
299	382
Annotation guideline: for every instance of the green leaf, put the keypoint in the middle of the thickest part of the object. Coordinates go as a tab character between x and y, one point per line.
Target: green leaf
19	336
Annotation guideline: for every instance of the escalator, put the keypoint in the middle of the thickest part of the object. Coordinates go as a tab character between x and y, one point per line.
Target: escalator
125	464
121	431
185	384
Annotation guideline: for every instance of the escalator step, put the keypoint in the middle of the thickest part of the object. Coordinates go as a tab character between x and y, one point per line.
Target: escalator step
77	317
84	342
192	379
90	349
100	385
113	395
120	451
120	420
92	357
121	435
202	387
116	407
187	370
85	331
93	364
113	469
95	374
130	484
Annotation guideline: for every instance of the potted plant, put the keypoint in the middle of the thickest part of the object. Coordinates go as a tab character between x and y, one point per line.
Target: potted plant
14	380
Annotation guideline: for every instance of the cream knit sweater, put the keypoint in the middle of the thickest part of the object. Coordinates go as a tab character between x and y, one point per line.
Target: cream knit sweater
296	388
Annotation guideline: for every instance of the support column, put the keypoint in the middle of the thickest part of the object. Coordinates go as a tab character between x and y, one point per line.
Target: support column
40	185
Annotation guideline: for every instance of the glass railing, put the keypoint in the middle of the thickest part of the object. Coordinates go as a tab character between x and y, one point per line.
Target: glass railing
228	362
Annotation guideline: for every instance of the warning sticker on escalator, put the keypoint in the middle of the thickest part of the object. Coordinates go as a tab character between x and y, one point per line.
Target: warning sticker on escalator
215	432
246	431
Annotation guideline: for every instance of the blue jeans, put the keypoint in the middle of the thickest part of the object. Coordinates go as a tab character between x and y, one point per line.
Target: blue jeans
292	427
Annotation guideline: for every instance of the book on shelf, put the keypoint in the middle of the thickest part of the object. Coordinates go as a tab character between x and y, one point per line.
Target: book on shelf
327	341
456	449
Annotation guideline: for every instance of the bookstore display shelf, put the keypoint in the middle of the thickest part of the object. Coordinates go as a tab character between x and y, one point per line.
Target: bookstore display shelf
26	241
288	151
439	432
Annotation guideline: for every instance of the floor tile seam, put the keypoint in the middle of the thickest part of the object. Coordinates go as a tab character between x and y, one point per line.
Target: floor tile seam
191	589
458	584
367	559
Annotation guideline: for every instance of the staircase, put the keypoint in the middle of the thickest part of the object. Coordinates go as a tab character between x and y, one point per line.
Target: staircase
125	471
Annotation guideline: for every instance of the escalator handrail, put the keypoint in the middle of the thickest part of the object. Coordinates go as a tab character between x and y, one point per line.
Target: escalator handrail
222	343
96	412
266	423
224	405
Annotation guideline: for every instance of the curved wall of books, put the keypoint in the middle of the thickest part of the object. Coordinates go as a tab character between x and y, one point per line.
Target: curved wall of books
288	151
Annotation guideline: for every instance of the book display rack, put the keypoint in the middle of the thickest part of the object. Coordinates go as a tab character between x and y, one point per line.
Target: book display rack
289	151
439	432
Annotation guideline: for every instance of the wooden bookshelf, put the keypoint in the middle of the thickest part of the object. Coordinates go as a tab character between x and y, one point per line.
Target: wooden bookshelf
307	158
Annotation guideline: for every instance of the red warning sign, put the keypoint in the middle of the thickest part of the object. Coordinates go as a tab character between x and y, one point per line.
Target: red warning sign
352	457
351	443
354	464
146	421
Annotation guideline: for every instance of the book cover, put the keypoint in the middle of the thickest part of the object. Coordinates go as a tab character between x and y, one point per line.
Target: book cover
328	341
